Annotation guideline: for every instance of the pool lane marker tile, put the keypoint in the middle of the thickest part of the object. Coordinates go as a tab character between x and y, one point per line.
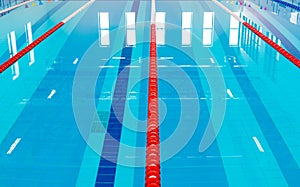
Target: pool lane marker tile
260	148
13	146
75	61
229	93
51	94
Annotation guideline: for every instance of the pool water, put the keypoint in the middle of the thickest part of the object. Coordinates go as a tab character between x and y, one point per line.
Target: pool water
228	102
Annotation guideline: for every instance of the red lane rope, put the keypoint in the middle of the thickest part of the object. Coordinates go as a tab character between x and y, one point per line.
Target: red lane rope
278	48
28	48
153	142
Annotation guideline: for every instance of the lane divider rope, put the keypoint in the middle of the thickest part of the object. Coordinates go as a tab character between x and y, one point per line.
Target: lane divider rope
15	6
28	48
277	47
284	3
153	141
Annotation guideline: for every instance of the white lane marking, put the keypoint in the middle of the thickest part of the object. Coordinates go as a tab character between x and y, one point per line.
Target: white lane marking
224	156
234	98
102	99
129	66
131	97
162	66
190	157
212	60
260	148
166	58
12	45
24	101
185	66
13	146
133	66
28	31
129	156
118	58
107	66
185	98
181	98
240	66
51	94
191	66
75	61
229	93
15	77
105	59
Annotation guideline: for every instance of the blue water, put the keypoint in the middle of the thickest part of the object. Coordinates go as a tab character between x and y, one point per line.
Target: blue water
228	113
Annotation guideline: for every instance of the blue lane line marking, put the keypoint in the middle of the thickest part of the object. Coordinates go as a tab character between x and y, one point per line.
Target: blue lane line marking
105	176
281	152
107	169
21	40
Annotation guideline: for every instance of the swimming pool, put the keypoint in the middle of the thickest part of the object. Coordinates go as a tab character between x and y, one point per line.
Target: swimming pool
76	115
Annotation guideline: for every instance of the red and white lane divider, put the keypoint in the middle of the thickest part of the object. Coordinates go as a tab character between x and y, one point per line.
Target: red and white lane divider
28	48
277	47
15	6
153	141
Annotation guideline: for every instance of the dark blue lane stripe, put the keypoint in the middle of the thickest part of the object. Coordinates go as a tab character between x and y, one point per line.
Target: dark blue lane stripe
107	168
289	46
21	40
281	152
